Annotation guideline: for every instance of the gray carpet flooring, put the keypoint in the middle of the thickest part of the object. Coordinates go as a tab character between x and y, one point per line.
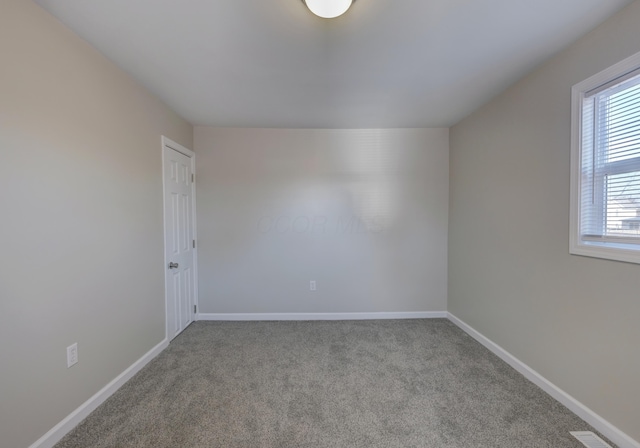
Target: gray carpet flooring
370	384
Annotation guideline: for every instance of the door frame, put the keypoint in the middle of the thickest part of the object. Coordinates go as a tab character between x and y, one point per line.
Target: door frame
170	144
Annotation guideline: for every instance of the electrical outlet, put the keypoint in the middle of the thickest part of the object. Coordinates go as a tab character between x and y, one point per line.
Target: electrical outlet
312	285
72	354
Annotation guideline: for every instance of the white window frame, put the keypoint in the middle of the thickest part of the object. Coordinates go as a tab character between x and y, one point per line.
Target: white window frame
611	250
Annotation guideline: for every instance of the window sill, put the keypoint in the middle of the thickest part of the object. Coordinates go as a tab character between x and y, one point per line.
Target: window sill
628	253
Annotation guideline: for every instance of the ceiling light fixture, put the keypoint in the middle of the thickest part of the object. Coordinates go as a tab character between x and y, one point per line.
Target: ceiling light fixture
328	9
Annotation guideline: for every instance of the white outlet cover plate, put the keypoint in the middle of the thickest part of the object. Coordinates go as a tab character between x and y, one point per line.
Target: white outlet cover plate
72	355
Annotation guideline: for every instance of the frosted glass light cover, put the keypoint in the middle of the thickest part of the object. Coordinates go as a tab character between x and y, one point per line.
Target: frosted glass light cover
328	9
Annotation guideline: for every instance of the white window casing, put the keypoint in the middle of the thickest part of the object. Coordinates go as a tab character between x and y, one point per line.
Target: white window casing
605	164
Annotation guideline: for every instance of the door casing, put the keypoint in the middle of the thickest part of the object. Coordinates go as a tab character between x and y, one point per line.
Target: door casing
169	144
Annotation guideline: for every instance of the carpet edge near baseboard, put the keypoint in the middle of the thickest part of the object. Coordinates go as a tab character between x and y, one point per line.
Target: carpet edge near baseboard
55	434
242	317
613	433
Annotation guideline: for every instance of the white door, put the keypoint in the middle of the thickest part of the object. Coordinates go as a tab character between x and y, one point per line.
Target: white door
178	164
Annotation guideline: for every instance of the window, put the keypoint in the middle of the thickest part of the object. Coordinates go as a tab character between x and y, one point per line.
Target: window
605	160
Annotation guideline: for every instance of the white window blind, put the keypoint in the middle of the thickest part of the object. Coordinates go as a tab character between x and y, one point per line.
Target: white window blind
605	164
610	201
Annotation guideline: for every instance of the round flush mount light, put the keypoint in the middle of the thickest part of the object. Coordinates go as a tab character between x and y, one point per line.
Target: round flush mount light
328	9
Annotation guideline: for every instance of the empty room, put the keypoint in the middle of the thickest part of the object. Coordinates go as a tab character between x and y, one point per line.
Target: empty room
320	223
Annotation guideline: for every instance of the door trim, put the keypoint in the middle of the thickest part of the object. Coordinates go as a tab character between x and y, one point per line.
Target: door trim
167	143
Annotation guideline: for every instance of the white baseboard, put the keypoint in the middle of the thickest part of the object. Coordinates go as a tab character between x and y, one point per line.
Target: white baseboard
72	420
607	429
610	431
319	316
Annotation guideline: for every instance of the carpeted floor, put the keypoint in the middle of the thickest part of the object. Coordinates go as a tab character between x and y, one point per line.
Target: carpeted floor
370	384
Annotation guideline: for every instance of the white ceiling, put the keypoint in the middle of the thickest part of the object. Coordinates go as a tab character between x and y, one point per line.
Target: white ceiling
385	63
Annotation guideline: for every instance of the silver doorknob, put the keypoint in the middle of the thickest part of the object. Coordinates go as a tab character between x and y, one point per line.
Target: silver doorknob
173	265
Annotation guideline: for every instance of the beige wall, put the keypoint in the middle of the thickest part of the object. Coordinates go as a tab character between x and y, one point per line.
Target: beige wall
362	212
80	220
573	319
